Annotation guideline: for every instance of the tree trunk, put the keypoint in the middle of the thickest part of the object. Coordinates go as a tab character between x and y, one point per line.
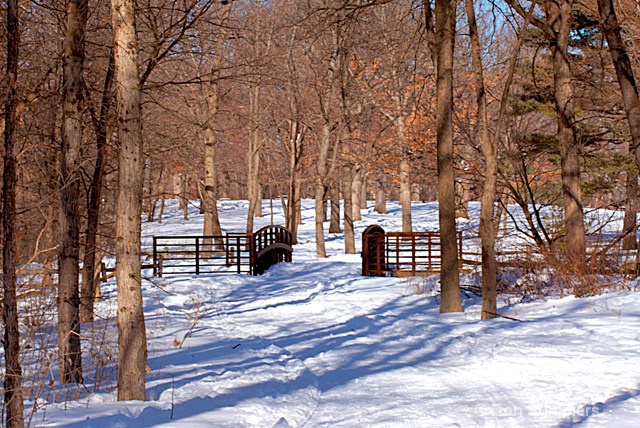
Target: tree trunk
161	212
356	191
334	226
89	282
295	154
347	192
363	191
445	36
13	398
560	14
405	175
325	205
132	343
211	218
405	193
184	195
462	199
325	144
259	199
156	194
253	158
624	72
487	204
629	224
381	198
321	251
69	352
298	220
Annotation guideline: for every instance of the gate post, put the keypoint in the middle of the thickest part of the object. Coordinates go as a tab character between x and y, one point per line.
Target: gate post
373	251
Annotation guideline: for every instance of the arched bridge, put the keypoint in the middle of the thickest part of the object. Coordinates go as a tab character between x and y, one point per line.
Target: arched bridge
251	253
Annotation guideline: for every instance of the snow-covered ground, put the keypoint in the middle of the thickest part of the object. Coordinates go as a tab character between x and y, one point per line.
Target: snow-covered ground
312	343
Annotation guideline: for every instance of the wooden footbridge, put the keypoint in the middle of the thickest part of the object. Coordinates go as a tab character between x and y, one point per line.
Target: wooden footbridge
250	253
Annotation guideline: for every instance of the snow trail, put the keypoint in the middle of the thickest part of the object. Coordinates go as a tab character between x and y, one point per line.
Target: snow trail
314	344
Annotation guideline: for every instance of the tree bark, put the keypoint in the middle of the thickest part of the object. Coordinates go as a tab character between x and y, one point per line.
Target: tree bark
489	149
381	198
89	282
629	242
184	195
253	161
211	218
334	225
69	351
321	251
13	398
356	191
295	155
445	35
325	144
559	14
363	190
624	73
405	193
347	193
132	343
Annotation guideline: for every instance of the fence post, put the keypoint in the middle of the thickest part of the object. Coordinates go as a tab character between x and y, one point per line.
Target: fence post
197	255
238	260
429	251
414	261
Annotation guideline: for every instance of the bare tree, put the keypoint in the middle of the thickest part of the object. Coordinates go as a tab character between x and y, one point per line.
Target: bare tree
629	90
89	283
132	341
211	219
444	35
69	351
334	196
349	239
557	27
295	139
13	398
325	138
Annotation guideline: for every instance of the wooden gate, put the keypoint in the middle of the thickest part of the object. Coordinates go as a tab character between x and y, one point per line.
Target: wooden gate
402	253
373	251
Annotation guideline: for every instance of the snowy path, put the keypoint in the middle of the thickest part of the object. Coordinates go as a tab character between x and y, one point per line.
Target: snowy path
314	344
382	355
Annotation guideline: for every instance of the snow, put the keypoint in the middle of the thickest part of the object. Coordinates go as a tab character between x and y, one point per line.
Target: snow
312	343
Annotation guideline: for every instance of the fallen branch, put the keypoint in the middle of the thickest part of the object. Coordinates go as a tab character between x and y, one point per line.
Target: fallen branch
502	316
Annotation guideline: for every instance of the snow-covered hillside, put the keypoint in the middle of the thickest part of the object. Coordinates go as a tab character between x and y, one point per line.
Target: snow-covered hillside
312	343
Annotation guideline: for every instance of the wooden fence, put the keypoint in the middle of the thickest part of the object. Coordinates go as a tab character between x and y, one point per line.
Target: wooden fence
419	253
251	253
401	253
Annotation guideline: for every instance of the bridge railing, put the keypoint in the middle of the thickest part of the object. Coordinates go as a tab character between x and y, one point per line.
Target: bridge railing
251	253
271	245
